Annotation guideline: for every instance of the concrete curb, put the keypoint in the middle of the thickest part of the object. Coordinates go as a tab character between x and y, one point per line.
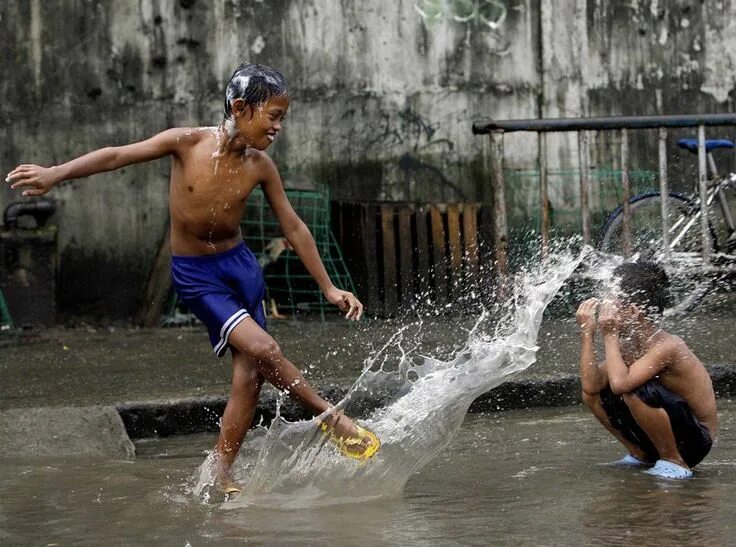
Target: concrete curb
91	431
201	415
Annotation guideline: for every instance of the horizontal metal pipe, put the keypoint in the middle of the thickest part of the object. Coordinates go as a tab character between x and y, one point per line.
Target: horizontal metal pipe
602	123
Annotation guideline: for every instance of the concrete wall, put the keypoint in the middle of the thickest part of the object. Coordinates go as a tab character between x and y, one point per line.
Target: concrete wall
384	93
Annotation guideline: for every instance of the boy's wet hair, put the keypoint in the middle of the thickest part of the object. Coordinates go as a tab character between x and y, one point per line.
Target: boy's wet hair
254	84
645	284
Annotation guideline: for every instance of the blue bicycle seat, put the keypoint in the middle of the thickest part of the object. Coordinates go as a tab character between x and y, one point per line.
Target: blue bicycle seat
691	144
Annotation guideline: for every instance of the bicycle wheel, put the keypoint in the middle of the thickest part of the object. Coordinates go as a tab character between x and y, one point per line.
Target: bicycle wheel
646	228
687	290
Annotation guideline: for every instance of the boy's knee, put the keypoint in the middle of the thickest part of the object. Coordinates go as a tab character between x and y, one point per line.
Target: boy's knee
265	351
591	401
246	376
631	399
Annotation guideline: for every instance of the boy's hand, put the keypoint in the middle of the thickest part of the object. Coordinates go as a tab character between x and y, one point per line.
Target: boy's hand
39	180
346	301
586	316
609	319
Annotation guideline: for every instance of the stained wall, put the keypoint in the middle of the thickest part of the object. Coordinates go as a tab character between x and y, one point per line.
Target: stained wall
384	95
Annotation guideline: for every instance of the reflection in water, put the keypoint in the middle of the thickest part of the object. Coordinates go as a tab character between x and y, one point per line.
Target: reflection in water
636	508
389	522
639	509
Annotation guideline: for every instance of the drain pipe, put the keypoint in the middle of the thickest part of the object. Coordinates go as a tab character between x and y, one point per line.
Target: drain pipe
40	209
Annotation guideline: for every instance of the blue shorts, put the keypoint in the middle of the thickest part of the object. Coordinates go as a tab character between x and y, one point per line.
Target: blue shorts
693	438
221	290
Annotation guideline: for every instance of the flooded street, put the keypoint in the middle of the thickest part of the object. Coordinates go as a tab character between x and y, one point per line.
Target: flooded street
521	477
531	477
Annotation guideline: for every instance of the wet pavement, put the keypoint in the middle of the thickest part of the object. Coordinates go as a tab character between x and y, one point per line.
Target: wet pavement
112	366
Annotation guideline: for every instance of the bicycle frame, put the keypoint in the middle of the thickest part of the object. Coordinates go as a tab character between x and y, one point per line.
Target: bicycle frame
714	189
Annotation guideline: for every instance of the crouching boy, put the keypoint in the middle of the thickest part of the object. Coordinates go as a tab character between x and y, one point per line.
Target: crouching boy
650	392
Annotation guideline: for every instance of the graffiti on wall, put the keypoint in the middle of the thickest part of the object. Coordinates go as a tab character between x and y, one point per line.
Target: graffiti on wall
491	13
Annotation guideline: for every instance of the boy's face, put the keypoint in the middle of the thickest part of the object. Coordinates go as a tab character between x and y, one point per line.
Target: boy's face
630	316
259	124
628	313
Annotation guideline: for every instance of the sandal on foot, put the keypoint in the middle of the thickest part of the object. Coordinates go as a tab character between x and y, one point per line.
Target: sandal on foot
630	460
669	470
231	491
351	447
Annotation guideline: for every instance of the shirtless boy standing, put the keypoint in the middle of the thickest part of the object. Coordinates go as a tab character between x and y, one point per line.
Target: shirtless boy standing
213	170
651	392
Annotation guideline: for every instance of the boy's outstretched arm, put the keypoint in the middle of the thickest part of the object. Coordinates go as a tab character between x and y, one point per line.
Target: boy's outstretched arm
300	238
592	378
36	180
621	378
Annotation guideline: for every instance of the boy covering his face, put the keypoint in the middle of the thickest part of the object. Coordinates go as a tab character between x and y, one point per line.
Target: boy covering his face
650	392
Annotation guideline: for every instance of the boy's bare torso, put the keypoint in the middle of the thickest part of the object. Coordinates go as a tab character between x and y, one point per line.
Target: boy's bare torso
208	191
685	376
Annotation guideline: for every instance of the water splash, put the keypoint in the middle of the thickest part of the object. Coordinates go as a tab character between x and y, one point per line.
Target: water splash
423	401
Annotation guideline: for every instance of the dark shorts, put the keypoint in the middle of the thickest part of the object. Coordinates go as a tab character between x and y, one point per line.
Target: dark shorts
221	290
693	439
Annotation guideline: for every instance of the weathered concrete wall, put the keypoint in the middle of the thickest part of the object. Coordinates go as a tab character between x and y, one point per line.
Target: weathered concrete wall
384	93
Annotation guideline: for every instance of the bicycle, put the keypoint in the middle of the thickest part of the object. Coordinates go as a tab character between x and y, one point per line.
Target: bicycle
684	228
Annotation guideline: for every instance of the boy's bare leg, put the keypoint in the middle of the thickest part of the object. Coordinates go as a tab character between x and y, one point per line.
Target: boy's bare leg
593	402
239	412
249	338
656	424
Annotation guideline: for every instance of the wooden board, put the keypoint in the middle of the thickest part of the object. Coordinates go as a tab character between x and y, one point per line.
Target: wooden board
390	297
406	252
470	239
423	268
368	228
158	287
455	245
438	255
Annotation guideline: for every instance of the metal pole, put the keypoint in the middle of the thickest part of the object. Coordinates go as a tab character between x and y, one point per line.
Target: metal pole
543	192
627	191
664	192
500	224
584	184
703	187
604	123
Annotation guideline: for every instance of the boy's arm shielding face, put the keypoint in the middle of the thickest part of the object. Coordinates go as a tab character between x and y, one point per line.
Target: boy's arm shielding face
624	379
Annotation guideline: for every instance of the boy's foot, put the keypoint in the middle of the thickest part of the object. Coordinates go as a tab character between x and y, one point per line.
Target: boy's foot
224	480
669	470
629	460
231	490
352	440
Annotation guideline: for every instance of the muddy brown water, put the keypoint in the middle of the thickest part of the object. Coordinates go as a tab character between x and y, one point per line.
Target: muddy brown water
522	477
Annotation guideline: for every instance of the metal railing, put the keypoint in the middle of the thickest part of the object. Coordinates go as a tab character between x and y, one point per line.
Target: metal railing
496	129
